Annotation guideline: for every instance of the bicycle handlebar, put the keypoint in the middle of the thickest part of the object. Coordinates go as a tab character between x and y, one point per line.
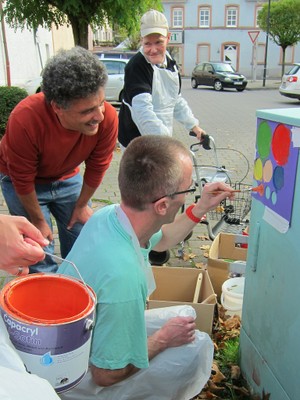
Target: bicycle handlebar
204	142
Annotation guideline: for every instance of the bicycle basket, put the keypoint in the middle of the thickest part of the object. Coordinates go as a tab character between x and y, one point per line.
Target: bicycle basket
234	212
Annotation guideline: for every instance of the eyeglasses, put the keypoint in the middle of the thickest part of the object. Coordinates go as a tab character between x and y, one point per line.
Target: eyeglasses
191	190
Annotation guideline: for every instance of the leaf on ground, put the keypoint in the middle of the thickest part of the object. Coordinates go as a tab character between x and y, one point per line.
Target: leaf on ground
203	237
205	247
233	323
213	387
200	265
207	395
240	389
205	255
189	256
235	372
216	375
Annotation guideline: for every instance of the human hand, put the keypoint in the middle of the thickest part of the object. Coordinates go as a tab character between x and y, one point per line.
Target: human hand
199	132
80	214
211	196
20	244
44	228
177	331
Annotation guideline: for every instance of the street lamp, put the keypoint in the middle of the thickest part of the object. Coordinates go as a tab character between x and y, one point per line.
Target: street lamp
267	41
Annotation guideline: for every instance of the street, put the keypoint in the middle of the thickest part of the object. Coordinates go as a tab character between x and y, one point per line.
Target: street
230	116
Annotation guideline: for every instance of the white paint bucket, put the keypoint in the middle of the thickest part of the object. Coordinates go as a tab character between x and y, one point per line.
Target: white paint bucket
49	318
232	295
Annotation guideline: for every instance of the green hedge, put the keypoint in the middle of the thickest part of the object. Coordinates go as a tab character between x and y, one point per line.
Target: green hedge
9	98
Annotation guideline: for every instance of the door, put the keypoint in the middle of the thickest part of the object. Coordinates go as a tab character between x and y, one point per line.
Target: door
230	55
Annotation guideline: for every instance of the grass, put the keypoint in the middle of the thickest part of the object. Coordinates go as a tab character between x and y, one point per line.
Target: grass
228	355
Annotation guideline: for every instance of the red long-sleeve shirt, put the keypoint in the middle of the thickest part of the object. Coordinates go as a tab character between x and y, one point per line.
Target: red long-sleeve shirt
37	149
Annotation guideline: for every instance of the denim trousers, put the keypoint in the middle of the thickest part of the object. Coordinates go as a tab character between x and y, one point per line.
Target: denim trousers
57	201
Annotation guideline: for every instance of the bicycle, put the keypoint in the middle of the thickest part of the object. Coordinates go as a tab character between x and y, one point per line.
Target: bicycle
230	216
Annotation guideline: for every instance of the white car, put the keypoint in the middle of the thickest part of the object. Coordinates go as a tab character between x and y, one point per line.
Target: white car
290	83
115	83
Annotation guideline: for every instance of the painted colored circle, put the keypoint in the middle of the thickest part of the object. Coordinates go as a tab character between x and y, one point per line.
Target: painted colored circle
267	192
267	171
278	178
274	198
264	139
258	169
281	143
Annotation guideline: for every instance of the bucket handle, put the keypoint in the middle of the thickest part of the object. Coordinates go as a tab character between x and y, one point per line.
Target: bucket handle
76	269
227	308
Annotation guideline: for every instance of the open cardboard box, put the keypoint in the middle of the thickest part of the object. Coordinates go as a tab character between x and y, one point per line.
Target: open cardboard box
180	285
227	255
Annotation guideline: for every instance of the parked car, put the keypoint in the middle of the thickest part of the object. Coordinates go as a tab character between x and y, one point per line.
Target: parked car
115	84
115	54
219	75
114	87
290	83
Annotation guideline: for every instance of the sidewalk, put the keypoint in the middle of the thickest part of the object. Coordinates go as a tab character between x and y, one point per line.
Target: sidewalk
258	84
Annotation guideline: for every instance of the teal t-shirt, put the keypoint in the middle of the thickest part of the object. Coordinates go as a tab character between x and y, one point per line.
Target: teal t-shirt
107	261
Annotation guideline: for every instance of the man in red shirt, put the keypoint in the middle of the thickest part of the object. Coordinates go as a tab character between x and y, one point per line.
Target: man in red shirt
48	136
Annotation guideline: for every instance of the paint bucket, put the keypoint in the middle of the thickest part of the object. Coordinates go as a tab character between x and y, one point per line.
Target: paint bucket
232	295
49	318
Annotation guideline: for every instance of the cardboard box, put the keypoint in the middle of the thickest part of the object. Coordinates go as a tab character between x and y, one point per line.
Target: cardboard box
227	255
180	285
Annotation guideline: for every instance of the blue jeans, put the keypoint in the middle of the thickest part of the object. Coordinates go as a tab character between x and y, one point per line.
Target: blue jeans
57	198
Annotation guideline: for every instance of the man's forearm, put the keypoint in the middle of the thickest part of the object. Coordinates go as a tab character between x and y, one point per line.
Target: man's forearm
85	195
32	207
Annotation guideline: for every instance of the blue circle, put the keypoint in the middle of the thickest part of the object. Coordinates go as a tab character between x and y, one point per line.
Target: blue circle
278	178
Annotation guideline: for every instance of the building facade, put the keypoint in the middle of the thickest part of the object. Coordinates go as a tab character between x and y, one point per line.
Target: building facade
224	30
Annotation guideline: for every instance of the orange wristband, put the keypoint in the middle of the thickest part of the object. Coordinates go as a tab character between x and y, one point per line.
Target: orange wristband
190	215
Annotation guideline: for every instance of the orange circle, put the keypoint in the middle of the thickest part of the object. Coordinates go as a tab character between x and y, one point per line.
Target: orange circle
267	171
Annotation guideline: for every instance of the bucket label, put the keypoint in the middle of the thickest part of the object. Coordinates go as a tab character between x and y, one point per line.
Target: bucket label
63	371
58	353
40	339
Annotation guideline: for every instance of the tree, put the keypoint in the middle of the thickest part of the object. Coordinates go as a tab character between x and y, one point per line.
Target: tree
77	13
283	24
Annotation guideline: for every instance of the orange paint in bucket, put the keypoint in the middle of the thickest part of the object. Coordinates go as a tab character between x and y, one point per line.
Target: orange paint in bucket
49	319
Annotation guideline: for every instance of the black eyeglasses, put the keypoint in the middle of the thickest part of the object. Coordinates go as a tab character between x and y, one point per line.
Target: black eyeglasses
191	190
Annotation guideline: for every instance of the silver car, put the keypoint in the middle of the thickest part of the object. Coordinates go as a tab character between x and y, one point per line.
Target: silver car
290	83
115	84
114	87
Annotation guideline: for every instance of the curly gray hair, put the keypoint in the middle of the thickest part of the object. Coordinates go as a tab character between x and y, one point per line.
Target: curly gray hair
71	75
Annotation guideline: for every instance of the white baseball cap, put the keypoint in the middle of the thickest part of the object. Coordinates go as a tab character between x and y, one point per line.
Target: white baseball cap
154	21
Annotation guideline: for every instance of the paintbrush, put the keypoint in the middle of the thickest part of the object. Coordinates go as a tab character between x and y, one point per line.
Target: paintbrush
258	189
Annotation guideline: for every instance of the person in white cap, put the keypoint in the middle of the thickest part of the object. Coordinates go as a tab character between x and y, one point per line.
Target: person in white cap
152	88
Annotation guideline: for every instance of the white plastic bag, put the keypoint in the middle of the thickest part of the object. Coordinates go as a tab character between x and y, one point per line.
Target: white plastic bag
178	373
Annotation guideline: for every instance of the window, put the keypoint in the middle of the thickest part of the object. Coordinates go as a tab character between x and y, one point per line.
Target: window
204	17
208	68
231	17
114	67
257	10
177	17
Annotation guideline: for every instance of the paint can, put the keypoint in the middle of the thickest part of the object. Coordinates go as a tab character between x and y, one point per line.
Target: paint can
232	295
49	318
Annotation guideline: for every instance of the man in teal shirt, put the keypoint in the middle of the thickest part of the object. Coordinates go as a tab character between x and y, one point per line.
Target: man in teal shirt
111	253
